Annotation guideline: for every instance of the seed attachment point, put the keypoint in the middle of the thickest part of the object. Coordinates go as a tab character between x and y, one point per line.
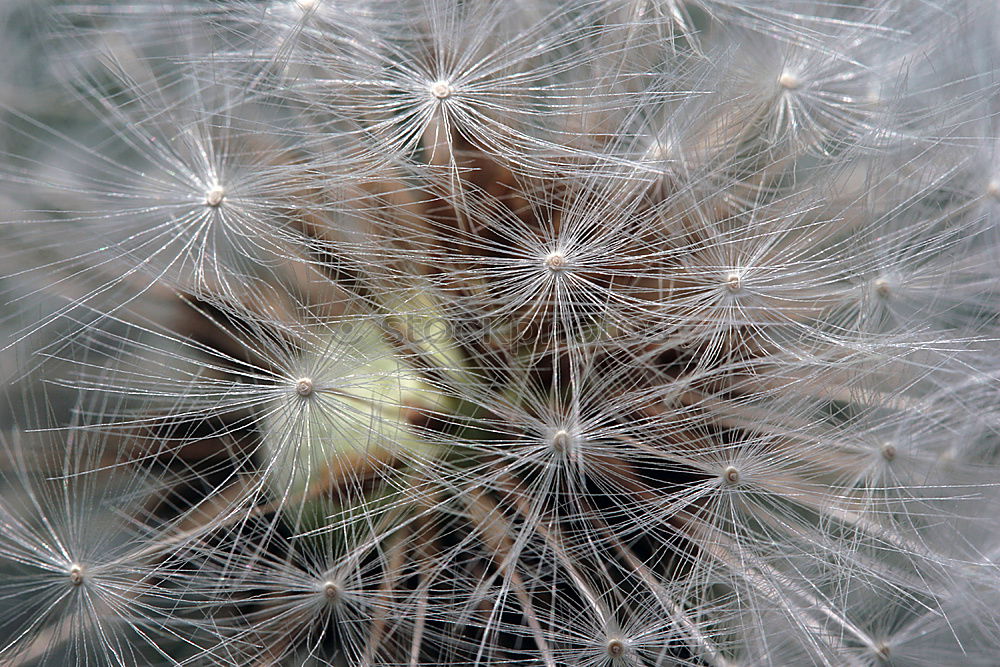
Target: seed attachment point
733	282
304	387
615	648
660	150
441	90
993	189
731	475
76	574
889	451
789	81
555	261
331	591
882	287
562	441
215	196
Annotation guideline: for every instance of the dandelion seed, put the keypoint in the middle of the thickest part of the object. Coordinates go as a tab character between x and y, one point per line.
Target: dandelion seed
660	150
993	189
84	570
888	451
331	590
616	648
731	475
789	81
562	442
555	261
442	90
304	387
882	287
215	196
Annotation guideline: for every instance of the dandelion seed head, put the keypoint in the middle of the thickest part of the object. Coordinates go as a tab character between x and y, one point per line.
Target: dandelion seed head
685	299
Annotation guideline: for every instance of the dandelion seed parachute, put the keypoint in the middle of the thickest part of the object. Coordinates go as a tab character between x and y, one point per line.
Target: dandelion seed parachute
84	579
